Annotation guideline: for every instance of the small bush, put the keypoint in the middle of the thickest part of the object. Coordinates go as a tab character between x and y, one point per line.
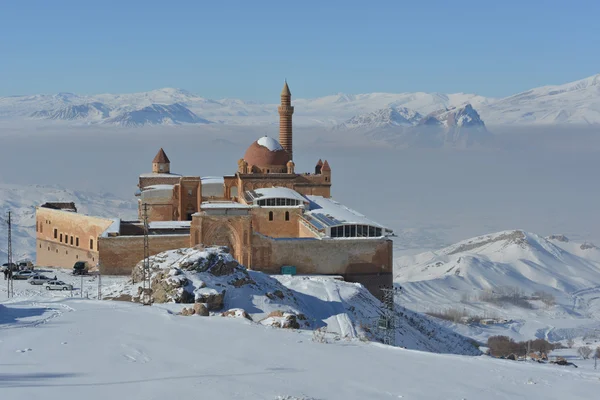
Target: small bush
502	346
584	352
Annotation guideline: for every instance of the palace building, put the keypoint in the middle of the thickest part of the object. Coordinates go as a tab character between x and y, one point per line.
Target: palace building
266	213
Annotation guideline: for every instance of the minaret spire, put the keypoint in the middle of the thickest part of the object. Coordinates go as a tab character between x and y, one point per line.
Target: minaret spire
285	119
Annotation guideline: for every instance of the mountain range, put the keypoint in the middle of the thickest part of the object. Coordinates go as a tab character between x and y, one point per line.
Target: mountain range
571	103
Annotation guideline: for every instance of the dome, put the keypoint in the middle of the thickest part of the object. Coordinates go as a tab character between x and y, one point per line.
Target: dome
266	151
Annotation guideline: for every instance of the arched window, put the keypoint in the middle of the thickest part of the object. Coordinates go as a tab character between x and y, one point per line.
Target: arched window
270	215
287	215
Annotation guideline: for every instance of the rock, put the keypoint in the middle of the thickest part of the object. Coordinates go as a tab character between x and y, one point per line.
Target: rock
290	322
187	311
236	313
121	297
283	320
201	309
222	268
279	294
243	281
276	313
167	287
213	299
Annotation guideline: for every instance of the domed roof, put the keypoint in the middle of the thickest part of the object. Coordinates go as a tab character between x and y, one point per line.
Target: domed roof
266	151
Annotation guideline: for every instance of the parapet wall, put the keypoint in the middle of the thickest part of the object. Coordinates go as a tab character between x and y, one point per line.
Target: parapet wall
118	255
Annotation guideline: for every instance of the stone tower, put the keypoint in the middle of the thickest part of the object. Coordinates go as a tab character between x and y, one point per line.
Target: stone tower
161	163
285	120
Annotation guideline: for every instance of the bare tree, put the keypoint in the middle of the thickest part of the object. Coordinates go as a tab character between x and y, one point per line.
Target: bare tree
584	352
597	355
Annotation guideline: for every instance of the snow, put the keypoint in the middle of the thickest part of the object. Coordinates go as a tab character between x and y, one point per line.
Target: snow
114	228
169	224
457	277
223	204
275	193
329	207
571	103
269	143
159	175
67	348
208	180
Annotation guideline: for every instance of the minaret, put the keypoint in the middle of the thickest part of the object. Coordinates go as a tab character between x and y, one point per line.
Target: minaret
285	120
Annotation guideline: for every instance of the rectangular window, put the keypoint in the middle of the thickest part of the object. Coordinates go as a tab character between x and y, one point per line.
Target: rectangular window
346	230
91	244
371	231
288	202
353	230
61	237
71	240
55	233
77	242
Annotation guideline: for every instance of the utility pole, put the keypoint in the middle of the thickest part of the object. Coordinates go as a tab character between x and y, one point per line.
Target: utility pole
99	284
10	288
146	284
387	319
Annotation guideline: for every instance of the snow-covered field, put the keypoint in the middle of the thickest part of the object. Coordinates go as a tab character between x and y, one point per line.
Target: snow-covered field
73	348
472	276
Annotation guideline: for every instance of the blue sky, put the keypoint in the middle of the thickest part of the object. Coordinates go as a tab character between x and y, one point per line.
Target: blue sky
245	49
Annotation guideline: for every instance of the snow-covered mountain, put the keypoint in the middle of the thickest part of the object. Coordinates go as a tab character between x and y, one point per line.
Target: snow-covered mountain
157	114
506	275
449	127
572	103
21	200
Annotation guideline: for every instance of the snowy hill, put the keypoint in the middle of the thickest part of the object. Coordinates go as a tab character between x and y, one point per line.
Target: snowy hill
347	310
572	103
157	114
383	118
67	348
21	200
507	275
449	127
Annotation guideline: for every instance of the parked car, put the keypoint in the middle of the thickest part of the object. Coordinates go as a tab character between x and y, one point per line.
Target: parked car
58	285
5	266
25	265
38	279
80	268
22	275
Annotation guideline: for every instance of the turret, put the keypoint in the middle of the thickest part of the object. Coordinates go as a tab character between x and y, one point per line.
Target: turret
326	171
290	167
161	163
318	167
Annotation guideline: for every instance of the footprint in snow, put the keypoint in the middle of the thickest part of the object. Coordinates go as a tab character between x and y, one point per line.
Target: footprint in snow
24	350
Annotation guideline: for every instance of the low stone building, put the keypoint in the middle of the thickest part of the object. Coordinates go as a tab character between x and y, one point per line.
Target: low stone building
267	214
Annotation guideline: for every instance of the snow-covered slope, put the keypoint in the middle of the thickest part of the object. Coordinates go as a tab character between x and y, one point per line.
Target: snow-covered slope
482	274
21	200
575	102
69	348
157	114
572	103
346	309
450	127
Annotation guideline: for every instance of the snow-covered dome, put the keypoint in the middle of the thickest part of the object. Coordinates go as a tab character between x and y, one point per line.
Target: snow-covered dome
266	151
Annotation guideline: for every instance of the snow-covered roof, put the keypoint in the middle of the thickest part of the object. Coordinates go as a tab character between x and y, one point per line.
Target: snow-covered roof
331	213
113	229
274	193
207	180
159	175
222	204
169	224
159	187
269	143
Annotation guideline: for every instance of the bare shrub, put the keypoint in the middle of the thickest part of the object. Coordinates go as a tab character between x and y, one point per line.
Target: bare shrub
456	315
502	346
584	352
547	298
597	354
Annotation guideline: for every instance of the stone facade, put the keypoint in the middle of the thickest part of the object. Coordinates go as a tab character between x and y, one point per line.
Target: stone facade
118	255
65	237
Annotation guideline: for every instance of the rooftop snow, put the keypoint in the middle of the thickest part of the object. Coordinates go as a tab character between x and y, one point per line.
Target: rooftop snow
158	175
331	213
222	204
274	193
212	180
114	228
269	143
159	187
169	224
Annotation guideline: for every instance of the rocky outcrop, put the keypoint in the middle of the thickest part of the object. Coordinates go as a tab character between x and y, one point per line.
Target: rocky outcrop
213	299
236	313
